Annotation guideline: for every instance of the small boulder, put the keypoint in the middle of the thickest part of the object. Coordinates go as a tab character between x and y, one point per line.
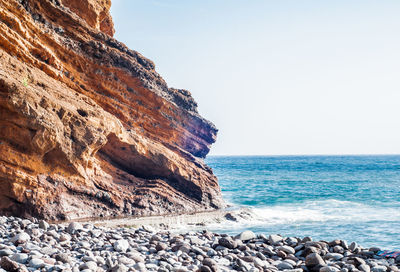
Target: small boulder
43	225
364	268
314	259
246	235
6	252
353	246
21	258
227	242
8	264
20	238
284	266
121	245
287	249
36	263
275	239
74	227
379	268
328	269
88	265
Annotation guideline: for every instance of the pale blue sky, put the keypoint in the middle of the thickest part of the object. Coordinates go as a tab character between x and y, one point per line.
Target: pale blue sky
279	77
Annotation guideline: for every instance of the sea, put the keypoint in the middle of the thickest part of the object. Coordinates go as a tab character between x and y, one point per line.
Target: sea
353	198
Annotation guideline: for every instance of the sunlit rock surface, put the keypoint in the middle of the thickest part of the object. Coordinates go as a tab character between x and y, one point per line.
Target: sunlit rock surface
87	126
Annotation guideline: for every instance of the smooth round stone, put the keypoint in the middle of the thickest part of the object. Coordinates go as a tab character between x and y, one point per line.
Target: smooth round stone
306	239
8	264
292	270
246	235
291	241
349	267
328	269
84	244
156	237
65	237
338	249
20	238
227	242
205	268
43	225
148	229
284	265
126	261
63	257
334	256
48	251
314	259
136	257
209	262
364	268
30	246
379	268
140	267
100	260
74	226
88	265
194	240
287	249
121	245
96	233
359	261
20	258
36	263
259	262
353	246
275	239
58	267
161	246
116	236
151	266
34	254
88	259
243	265
88	226
24	223
6	252
198	251
375	249
119	268
293	263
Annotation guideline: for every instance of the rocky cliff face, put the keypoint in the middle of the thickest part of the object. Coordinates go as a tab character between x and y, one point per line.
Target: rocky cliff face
87	127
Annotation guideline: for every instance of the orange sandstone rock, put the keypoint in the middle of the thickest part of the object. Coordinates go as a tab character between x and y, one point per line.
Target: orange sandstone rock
87	126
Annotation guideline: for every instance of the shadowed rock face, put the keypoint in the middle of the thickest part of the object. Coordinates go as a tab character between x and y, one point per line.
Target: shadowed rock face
87	127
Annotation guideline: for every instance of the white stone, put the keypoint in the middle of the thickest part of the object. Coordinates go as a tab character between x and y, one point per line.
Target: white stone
21	238
121	245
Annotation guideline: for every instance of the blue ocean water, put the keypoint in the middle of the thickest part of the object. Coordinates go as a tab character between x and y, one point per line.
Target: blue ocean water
355	198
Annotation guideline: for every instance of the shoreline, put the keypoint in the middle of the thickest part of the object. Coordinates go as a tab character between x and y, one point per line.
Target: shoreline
169	220
27	245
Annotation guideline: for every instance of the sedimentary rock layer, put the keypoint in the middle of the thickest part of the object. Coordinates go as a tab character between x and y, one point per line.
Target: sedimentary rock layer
87	126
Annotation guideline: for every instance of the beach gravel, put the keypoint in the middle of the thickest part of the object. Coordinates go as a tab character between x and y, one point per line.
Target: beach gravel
39	246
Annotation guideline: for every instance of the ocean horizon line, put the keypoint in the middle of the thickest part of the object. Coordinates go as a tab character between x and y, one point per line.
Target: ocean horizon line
304	155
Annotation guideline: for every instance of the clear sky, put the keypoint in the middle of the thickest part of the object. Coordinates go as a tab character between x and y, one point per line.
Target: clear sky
282	76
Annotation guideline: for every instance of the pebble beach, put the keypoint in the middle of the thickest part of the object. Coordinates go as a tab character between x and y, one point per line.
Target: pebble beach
33	245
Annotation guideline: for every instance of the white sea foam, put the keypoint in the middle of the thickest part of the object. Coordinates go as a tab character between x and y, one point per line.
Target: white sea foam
325	210
318	212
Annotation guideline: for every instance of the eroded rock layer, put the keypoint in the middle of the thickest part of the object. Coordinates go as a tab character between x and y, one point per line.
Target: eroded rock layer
87	127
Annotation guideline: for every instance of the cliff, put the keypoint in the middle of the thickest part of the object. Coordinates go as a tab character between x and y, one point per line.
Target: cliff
87	126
